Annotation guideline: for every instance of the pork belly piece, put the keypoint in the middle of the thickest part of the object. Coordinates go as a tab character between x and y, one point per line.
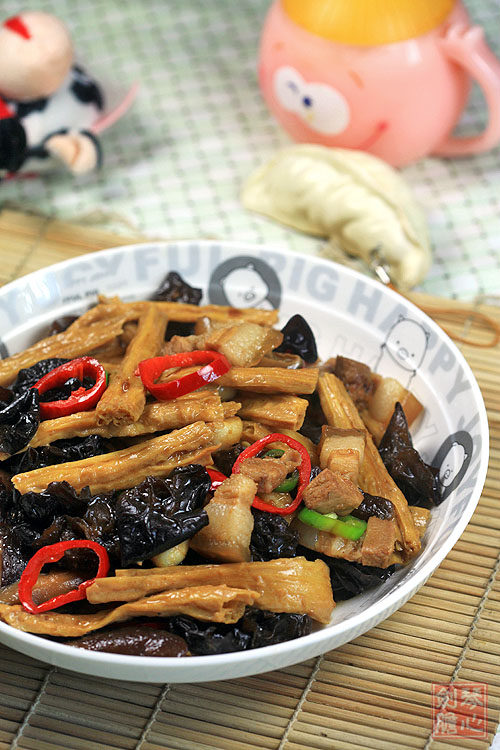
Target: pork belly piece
213	603
283	585
332	493
268	473
183	344
378	542
124	399
253	431
230	522
340	411
244	345
226	432
347	549
342	450
388	392
328	544
126	468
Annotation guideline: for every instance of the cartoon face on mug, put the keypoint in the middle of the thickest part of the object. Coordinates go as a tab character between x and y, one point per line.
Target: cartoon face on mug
320	106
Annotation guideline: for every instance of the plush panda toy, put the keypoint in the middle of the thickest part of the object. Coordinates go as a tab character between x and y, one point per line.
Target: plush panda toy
49	107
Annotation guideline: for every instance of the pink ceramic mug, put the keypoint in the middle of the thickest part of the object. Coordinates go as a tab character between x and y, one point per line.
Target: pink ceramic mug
399	101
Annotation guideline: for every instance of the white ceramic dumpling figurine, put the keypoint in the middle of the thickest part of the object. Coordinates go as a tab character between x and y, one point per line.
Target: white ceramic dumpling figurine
356	200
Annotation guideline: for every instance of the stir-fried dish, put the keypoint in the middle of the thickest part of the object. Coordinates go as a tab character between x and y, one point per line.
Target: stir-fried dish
180	479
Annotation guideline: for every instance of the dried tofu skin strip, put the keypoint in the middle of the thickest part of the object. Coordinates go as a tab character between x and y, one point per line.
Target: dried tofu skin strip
110	352
210	603
278	411
204	406
181	312
283	585
102	323
69	344
421	518
340	411
229	408
271	379
94	328
125	397
126	468
253	431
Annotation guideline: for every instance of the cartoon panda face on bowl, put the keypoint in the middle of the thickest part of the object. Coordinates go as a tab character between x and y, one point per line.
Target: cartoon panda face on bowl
320	106
452	460
452	464
406	343
245	287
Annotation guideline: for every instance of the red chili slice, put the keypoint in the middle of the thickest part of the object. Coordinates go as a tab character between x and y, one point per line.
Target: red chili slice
53	553
304	470
217	478
82	399
150	370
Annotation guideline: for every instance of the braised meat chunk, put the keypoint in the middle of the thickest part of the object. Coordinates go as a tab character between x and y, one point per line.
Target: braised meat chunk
332	493
357	378
269	473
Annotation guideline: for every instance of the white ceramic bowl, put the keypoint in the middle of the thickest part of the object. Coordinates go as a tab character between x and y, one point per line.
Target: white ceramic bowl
350	315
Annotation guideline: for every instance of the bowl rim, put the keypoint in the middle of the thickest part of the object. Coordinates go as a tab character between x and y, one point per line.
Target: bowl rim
317	641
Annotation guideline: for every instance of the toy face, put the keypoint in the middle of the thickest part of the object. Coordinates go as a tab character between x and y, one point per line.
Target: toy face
397	101
35	56
332	108
320	106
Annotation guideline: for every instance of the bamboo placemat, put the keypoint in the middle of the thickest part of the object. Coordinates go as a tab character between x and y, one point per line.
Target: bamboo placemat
374	692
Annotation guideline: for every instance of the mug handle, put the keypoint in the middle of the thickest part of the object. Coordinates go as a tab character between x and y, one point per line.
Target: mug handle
465	46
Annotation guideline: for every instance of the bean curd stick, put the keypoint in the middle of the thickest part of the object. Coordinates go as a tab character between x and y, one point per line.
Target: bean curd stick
112	352
253	431
124	399
69	344
283	585
230	409
181	312
212	603
279	411
125	468
340	411
271	379
202	406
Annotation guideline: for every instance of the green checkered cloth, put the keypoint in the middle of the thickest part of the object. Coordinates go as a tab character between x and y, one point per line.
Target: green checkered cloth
175	164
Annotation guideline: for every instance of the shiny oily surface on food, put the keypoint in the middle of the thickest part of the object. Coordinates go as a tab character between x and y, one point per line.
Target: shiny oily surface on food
256	423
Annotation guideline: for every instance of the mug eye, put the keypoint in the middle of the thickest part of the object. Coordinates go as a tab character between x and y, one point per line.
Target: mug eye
322	107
